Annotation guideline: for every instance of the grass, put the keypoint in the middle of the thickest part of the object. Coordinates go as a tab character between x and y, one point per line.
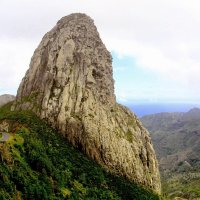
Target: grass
185	185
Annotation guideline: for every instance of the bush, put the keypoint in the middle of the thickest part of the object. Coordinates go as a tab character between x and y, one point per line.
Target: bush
47	167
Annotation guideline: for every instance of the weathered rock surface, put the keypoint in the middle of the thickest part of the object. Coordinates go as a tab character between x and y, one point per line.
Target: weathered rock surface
6	98
70	83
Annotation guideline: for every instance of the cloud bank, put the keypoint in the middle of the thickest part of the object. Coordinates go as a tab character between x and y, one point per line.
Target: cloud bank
162	36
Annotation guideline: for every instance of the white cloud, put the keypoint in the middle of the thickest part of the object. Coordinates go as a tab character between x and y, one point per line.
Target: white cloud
163	36
15	56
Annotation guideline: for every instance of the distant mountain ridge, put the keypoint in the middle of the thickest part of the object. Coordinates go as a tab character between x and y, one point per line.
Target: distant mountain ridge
174	135
5	98
176	139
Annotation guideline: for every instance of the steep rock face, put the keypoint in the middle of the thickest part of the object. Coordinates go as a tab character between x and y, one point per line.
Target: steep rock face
70	83
6	98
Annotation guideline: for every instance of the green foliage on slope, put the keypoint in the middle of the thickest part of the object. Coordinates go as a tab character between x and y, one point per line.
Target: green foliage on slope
185	185
37	163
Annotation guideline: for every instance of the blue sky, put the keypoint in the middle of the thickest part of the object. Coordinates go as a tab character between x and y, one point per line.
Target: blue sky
137	85
132	83
155	54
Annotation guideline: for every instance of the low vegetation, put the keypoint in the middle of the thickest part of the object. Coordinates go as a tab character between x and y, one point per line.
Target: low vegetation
37	163
185	185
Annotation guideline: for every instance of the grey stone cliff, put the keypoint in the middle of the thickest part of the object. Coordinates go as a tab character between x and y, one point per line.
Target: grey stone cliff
70	83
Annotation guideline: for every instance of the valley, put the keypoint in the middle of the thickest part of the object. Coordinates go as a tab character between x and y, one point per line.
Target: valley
176	139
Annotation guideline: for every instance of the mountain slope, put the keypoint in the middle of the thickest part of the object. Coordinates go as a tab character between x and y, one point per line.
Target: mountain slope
176	139
5	98
70	83
37	163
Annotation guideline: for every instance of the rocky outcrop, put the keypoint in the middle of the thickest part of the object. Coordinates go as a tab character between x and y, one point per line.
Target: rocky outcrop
70	83
6	98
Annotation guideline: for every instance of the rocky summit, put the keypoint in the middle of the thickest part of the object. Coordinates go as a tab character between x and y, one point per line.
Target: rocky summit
70	83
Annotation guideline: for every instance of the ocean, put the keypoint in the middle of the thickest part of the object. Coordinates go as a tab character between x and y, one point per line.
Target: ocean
146	109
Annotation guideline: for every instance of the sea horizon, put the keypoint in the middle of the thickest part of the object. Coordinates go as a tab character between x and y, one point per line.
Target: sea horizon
153	108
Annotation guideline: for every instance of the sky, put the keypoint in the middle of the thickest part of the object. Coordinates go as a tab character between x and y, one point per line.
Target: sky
155	44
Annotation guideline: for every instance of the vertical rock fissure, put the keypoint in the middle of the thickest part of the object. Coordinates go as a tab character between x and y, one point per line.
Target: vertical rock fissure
72	71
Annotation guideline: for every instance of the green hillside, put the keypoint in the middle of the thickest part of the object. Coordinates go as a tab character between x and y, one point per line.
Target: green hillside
37	163
176	139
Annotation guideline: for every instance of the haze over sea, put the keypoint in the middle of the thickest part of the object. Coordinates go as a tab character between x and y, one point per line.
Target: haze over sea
147	109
